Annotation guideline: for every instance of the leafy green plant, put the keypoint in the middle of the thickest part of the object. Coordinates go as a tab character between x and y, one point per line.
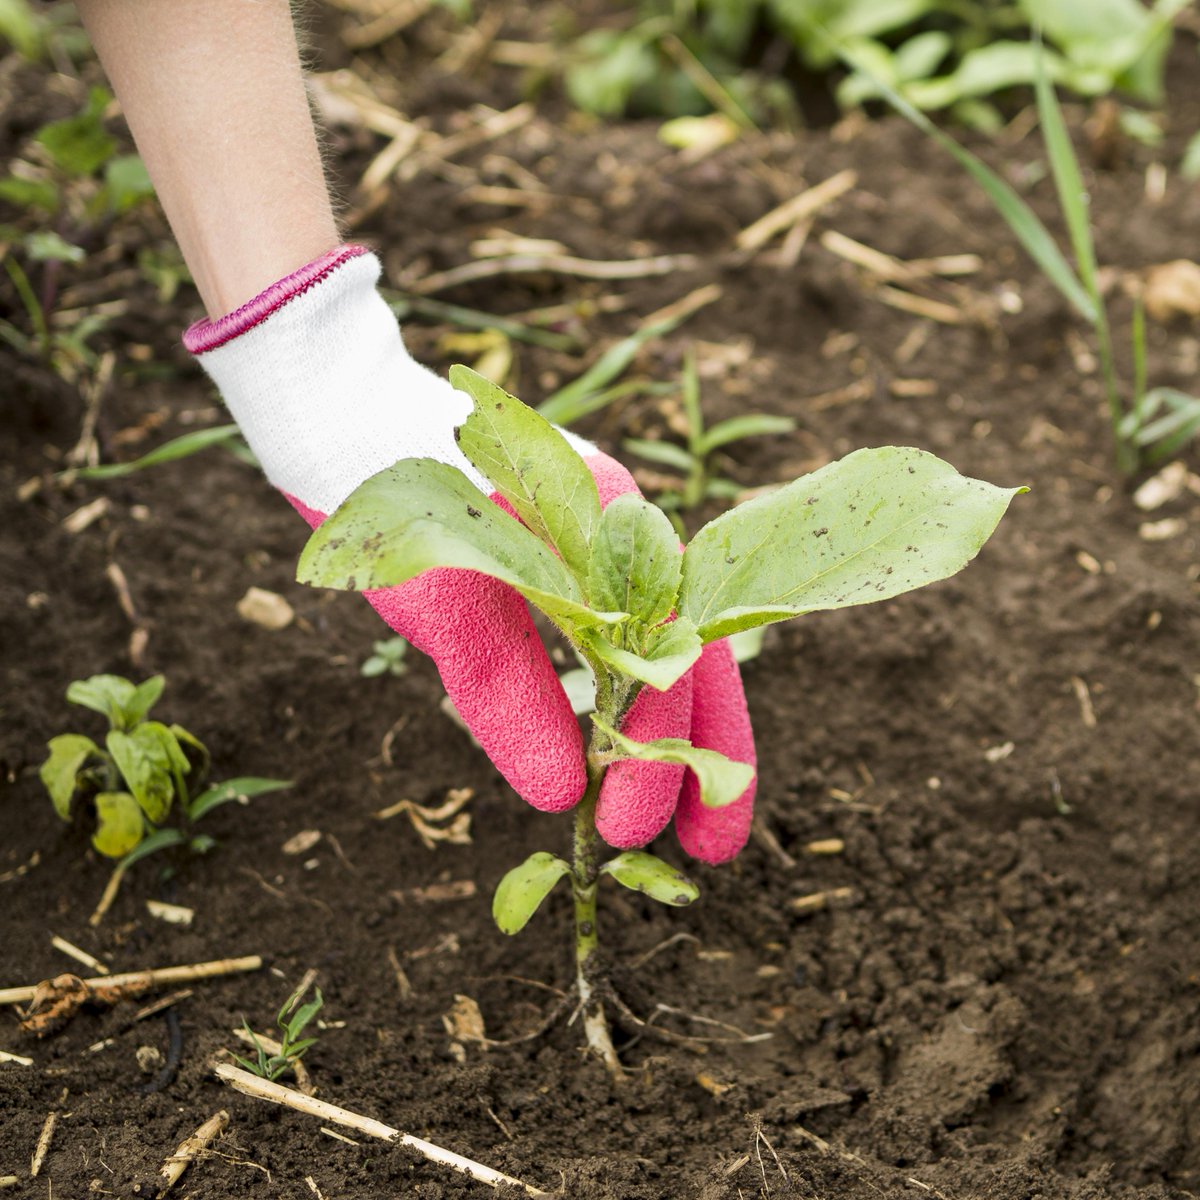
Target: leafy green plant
632	606
145	775
1148	425
292	1022
687	58
388	658
73	182
695	459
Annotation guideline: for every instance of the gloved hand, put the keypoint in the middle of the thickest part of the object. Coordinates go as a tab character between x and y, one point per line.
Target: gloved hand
316	374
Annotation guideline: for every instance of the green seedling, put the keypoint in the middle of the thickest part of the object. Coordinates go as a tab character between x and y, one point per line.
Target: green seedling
638	611
388	659
695	459
146	788
1148	425
72	183
291	1022
226	436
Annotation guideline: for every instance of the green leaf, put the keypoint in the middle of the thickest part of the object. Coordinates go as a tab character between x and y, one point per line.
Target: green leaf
68	753
188	741
523	889
635	565
145	697
645	873
737	428
532	467
176	448
580	687
868	527
721	779
1072	196
120	824
668	454
30	193
420	514
671	649
1189	165
44	245
747	644
79	145
106	694
233	789
149	758
126	182
160	839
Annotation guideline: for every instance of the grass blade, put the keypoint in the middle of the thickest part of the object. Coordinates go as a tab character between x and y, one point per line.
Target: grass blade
1020	218
180	447
405	304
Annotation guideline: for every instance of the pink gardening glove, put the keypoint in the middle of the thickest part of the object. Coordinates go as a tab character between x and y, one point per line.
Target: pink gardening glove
316	374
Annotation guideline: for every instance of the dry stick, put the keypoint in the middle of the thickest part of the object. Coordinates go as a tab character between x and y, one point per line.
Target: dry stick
556	264
143	981
798	208
494	125
897	270
110	894
274	1093
390	22
80	956
7	1181
190	1149
19	1059
921	306
43	1144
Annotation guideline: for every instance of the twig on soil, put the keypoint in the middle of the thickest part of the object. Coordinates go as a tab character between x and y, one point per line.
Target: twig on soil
140	635
922	306
274	1093
16	1059
402	980
43	1144
766	838
817	901
387	24
339	1137
1083	694
106	989
80	956
8	876
554	264
86	452
797	209
761	1138
109	895
7	1181
896	270
675	938
191	1148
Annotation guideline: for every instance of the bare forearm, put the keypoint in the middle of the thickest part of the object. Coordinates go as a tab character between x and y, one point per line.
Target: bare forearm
214	95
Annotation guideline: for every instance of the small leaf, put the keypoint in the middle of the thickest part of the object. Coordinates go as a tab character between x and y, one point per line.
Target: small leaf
721	779
642	872
160	839
145	697
635	564
671	651
68	753
668	454
44	245
149	759
873	525
737	428
532	466
233	789
126	181
79	144
420	514
106	694
120	824
523	889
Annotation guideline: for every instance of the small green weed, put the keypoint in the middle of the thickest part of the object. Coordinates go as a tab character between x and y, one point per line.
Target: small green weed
700	481
388	658
292	1046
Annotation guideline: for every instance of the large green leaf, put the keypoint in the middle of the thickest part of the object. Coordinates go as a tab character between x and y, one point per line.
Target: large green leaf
721	779
120	824
524	888
642	872
68	753
870	526
420	514
151	763
532	467
635	564
670	650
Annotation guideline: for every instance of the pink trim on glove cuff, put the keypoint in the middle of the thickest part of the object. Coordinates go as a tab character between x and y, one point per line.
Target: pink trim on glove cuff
208	335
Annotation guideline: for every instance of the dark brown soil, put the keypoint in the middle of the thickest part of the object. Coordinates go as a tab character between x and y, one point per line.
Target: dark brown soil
1004	1003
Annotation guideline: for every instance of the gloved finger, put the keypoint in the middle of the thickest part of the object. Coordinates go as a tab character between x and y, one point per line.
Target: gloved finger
637	798
721	722
480	635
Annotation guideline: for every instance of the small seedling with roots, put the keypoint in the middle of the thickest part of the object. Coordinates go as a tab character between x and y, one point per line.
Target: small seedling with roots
636	609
